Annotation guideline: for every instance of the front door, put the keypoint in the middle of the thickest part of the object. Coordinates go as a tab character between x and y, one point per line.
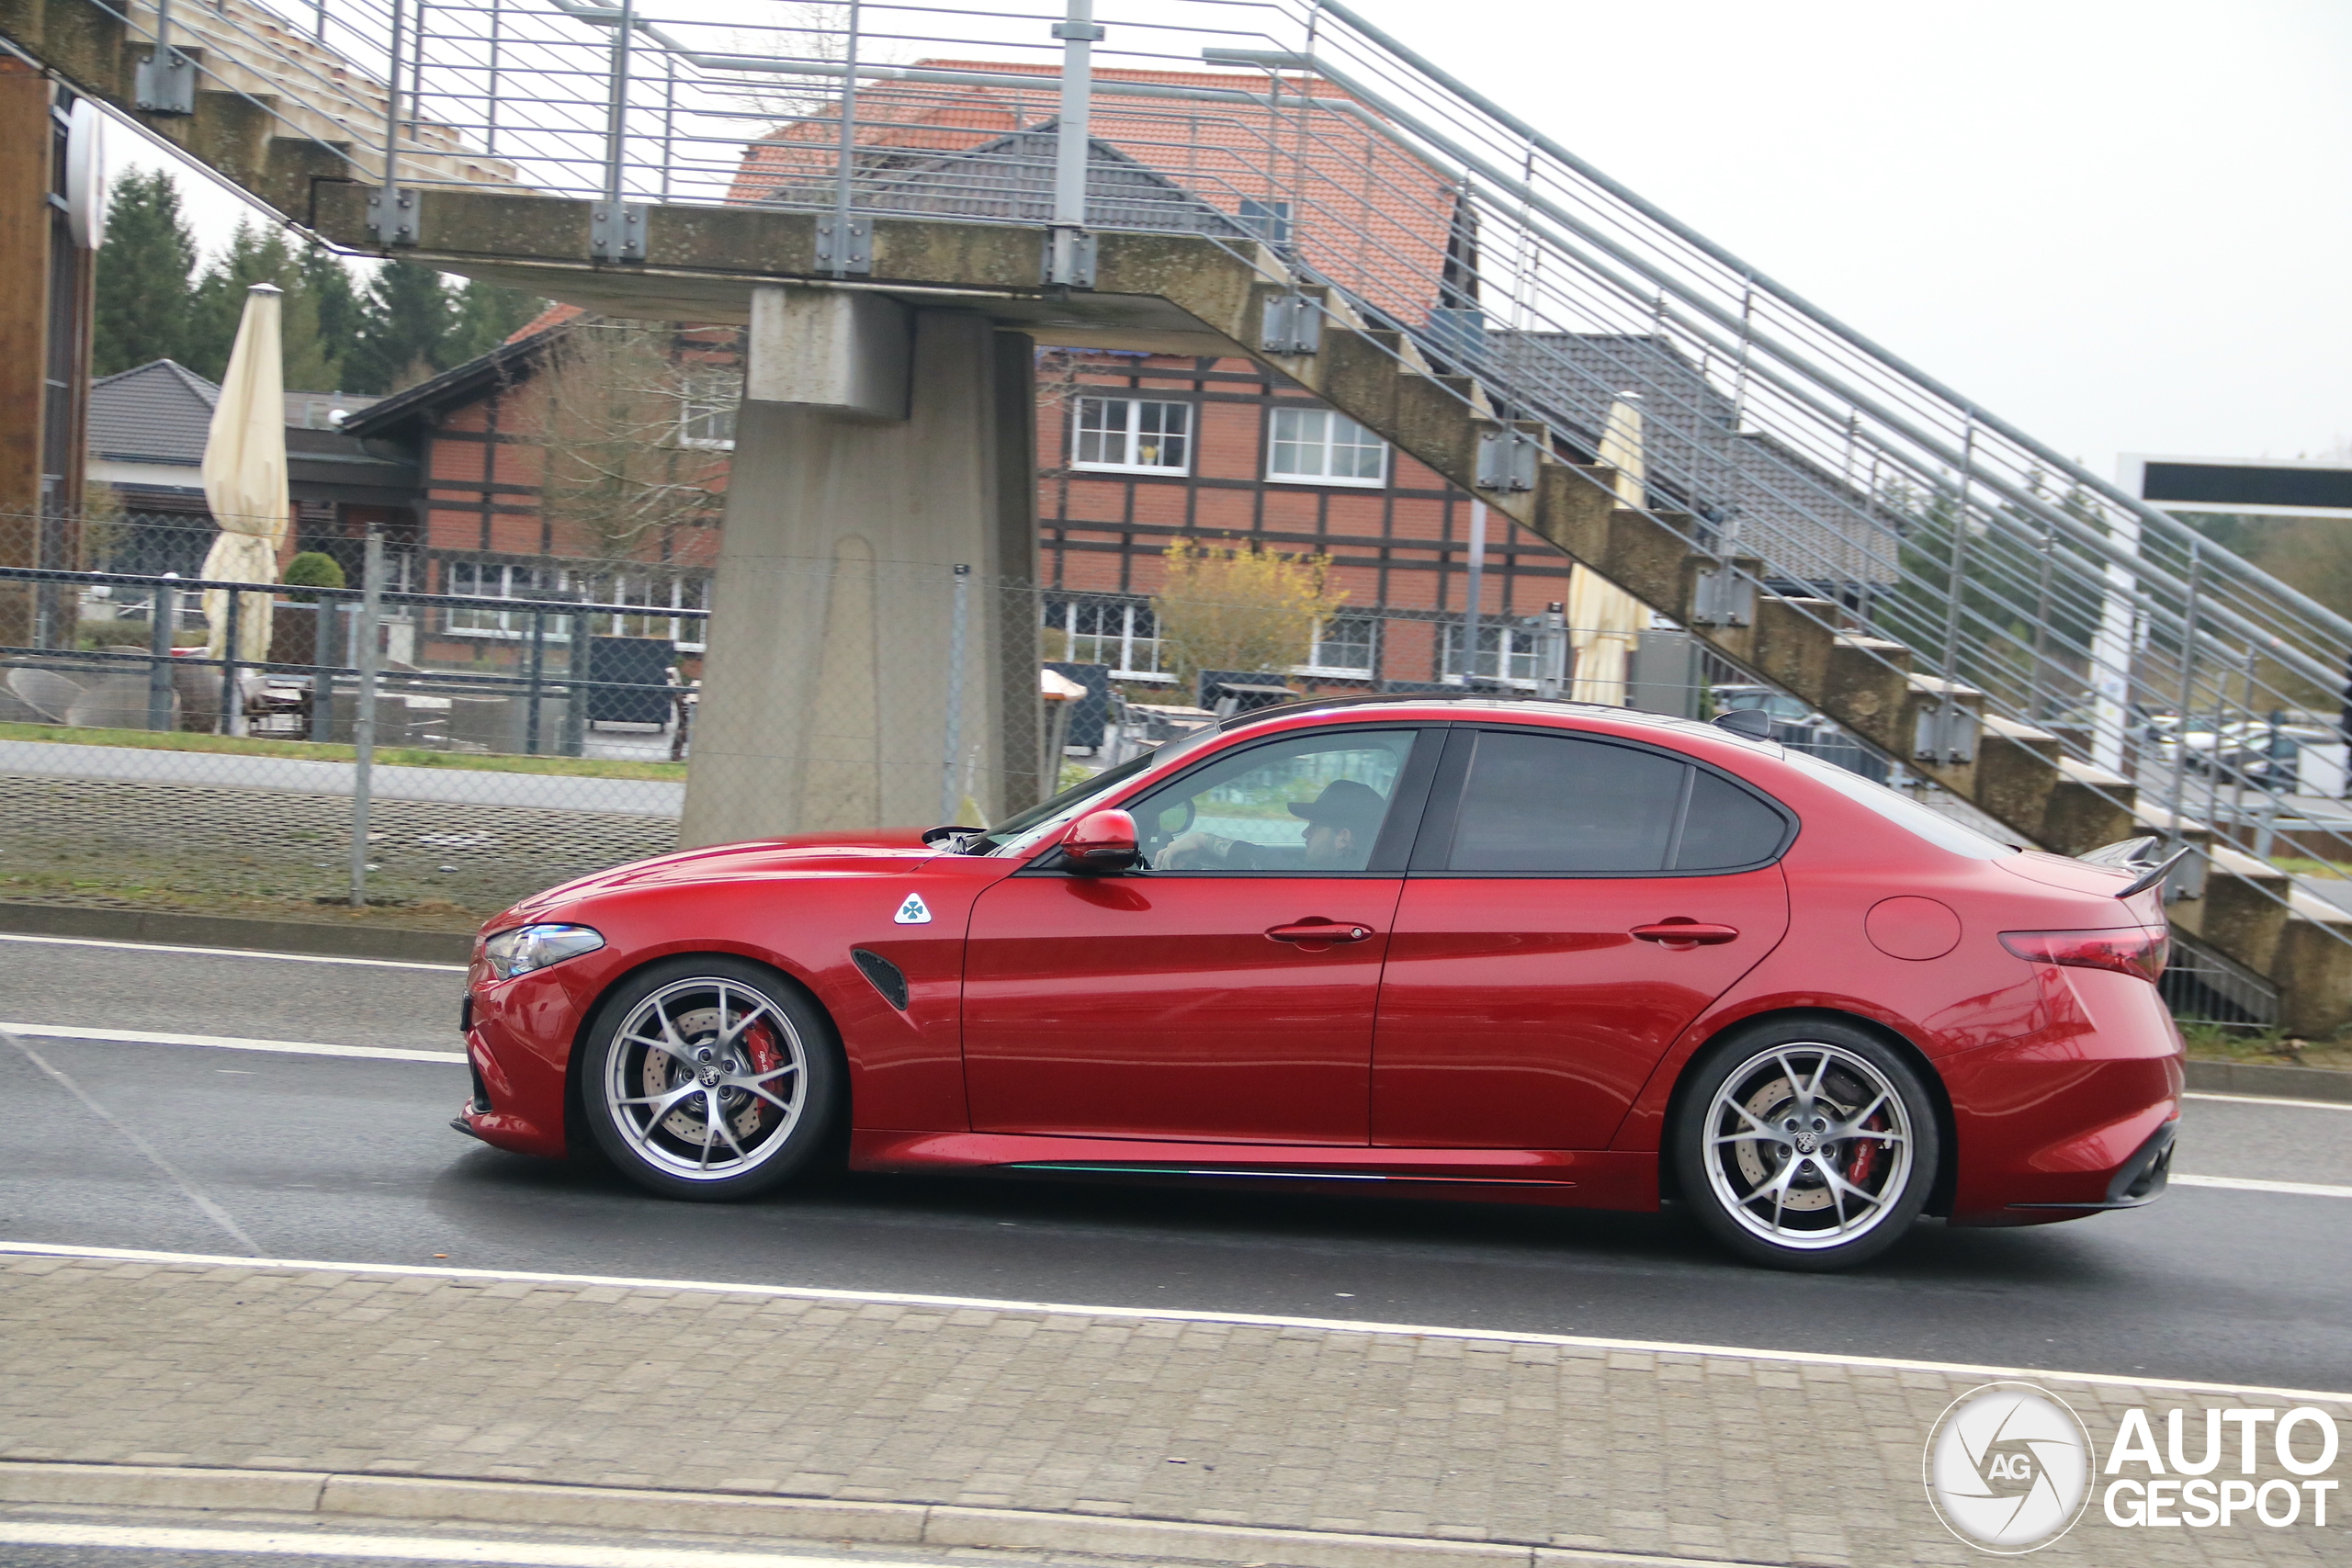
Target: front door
1537	974
1225	991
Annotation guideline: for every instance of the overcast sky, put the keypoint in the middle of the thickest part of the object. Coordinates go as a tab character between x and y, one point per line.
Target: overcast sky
2122	224
2125	225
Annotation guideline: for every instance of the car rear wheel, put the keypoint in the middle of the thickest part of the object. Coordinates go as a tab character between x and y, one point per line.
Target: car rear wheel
1810	1147
708	1078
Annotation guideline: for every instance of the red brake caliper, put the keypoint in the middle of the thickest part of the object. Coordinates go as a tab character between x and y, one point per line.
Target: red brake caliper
765	1059
1866	1154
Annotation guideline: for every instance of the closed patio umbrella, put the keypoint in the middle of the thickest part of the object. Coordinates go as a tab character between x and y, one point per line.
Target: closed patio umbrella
1604	620
245	480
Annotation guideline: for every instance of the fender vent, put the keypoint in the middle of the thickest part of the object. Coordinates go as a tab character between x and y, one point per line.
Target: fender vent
887	978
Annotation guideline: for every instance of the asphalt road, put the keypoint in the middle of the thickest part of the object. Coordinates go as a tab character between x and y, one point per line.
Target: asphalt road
351	1159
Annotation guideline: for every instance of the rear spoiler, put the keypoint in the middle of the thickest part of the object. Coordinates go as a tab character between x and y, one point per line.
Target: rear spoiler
2137	855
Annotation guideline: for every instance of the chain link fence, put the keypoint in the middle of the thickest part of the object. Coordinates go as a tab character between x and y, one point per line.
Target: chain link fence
426	758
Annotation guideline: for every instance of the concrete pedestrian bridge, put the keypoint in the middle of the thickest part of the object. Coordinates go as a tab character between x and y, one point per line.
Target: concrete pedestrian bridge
903	214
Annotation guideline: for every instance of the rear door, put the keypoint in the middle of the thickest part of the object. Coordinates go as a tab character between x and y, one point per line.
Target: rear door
1539	968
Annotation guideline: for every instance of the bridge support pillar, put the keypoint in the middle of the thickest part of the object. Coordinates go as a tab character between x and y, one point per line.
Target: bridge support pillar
826	687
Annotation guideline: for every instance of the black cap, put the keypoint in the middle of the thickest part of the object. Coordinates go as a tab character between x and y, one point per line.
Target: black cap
1344	804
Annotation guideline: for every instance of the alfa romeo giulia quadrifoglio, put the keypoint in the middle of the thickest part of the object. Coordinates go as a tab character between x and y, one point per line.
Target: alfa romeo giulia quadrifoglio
1485	949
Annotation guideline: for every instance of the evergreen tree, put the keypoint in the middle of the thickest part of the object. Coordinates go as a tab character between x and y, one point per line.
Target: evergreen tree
329	281
145	294
486	315
406	321
259	255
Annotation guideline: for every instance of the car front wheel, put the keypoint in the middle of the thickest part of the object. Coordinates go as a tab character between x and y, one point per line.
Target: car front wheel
708	1078
1810	1147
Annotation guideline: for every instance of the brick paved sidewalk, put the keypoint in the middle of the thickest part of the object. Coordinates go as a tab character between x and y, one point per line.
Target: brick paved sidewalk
1716	1457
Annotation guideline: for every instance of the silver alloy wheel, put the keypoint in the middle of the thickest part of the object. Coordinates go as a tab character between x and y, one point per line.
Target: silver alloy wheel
1807	1146
706	1080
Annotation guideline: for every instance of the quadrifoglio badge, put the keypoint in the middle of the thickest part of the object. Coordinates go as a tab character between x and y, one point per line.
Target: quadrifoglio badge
2010	1468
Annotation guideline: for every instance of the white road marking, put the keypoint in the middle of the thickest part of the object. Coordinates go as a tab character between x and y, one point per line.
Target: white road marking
189	1189
2271	1100
2248	1184
396	1548
228	1043
1152	1315
234	952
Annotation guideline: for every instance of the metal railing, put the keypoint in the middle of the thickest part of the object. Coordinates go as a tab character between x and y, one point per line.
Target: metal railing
1811	463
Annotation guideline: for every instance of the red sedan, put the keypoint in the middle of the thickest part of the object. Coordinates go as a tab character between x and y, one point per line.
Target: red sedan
1491	950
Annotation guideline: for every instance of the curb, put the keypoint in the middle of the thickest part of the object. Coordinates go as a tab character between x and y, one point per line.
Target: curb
381	1497
2270	1083
224	930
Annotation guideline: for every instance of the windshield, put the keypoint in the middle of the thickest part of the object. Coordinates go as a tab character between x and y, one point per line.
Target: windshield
1024	831
1944	832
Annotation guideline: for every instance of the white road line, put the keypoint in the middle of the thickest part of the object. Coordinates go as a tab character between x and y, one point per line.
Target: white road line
228	1043
189	1189
396	1548
2271	1100
2248	1184
234	952
1150	1314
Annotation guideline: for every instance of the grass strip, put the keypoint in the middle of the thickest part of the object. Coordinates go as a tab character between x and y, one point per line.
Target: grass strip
330	752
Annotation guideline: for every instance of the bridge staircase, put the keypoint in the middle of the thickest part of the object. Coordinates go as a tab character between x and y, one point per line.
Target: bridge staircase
1287	181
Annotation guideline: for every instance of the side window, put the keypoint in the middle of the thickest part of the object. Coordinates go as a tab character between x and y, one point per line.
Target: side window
1310	804
1726	827
1559	804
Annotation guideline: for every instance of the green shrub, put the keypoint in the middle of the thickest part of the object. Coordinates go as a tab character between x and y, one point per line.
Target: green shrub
312	569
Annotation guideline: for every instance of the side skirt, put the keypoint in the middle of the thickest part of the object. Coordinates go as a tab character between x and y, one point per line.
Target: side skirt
1585	1178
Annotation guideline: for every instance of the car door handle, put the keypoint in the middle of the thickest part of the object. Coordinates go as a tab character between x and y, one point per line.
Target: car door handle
1686	933
1320	931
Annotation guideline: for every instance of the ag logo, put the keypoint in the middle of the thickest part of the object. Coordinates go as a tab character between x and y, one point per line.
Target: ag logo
2008	1468
913	912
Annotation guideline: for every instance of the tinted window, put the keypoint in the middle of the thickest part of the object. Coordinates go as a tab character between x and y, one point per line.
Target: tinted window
1726	827
1554	803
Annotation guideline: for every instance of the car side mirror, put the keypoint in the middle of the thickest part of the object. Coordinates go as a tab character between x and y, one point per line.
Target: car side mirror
1100	842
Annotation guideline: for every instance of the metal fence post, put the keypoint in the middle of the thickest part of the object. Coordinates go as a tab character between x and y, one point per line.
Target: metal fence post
536	667
581	673
324	624
363	724
1552	655
1946	749
164	619
1070	262
2173	839
617	104
959	619
232	707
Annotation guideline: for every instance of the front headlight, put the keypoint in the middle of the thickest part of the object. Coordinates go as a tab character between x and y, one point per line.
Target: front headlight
525	948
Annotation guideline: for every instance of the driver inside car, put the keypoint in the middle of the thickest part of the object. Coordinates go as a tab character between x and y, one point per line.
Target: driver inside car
1342	823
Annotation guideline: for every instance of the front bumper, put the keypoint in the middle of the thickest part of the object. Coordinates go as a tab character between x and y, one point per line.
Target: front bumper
519	1036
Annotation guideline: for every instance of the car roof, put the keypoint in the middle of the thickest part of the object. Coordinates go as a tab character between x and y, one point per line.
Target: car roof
1467	705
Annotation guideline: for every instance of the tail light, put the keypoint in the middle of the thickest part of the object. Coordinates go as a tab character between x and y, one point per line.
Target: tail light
2131	950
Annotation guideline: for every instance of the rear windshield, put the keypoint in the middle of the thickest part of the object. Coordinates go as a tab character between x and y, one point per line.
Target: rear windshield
1944	832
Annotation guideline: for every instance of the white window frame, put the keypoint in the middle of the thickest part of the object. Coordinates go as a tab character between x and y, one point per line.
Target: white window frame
1297	417
656	593
710	406
1515	648
1130	432
1129	645
1319	665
